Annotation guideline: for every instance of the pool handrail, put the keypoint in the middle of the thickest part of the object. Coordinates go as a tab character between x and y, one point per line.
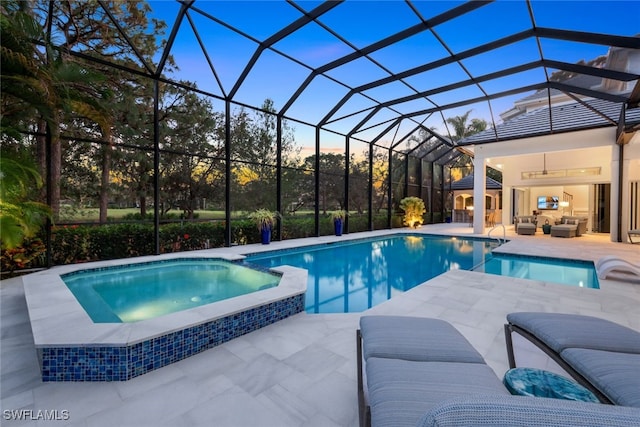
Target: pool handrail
504	234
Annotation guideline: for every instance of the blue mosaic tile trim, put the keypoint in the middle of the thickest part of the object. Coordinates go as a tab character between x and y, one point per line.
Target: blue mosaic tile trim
123	363
84	364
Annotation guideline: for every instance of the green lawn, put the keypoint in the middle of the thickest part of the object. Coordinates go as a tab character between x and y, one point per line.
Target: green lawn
92	214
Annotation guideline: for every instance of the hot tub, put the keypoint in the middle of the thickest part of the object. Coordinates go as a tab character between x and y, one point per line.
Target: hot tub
72	347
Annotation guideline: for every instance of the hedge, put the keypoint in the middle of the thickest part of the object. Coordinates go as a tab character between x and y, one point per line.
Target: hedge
86	243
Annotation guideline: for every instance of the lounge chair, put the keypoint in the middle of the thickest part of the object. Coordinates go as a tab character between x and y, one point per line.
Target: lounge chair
601	355
414	371
634	236
617	268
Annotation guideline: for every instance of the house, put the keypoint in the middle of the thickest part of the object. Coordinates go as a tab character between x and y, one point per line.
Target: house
594	170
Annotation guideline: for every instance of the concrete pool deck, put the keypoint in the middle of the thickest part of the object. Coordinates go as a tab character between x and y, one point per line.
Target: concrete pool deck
301	370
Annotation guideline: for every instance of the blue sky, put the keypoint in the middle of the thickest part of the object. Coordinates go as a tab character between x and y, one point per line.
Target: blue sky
365	22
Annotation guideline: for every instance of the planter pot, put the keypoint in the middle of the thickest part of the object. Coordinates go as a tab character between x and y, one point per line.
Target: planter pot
266	236
337	226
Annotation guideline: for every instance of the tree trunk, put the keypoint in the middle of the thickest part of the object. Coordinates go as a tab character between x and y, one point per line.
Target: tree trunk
41	143
56	175
104	182
143	207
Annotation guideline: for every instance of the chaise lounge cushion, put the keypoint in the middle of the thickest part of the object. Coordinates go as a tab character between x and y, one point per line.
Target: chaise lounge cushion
415	338
401	391
527	411
617	375
561	331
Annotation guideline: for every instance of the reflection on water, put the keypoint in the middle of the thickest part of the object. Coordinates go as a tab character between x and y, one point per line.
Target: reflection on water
352	277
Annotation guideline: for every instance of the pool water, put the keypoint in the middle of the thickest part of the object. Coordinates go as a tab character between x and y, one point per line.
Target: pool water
577	273
350	277
134	292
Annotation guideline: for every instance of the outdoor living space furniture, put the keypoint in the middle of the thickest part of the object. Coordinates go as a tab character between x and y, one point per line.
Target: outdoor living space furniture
634	236
569	226
526	225
601	355
416	371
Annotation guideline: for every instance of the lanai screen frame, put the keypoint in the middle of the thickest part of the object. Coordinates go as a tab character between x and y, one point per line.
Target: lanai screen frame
448	148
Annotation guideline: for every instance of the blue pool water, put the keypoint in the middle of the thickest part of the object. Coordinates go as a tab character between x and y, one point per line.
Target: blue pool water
134	292
350	277
353	276
570	272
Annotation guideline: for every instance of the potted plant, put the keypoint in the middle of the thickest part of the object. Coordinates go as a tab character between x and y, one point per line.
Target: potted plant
338	221
414	210
264	219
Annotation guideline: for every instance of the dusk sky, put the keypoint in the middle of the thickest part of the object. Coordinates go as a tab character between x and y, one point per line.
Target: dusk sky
364	22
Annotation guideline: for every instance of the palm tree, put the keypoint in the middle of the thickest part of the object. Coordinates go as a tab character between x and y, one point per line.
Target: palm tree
20	218
462	128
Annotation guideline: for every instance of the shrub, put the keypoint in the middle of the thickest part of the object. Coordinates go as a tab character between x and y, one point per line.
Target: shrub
414	210
73	244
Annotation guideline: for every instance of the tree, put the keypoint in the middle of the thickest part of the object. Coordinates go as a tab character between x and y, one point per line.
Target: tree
463	128
20	216
46	82
254	151
332	166
193	138
85	27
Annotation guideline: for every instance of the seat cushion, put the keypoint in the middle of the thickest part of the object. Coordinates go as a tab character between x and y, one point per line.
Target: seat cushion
616	375
527	411
560	331
415	338
401	391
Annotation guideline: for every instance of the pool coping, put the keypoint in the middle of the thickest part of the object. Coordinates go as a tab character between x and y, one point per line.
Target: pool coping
58	320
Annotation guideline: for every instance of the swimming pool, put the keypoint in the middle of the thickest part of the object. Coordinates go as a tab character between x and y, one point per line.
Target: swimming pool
135	292
570	272
350	277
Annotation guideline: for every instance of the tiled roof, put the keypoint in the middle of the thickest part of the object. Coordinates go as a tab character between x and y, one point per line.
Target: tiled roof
466	183
566	117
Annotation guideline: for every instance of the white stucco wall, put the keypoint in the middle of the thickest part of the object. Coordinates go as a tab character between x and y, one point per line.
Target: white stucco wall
592	148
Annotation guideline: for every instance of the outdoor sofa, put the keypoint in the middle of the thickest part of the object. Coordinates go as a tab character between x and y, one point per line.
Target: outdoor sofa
415	371
526	225
569	226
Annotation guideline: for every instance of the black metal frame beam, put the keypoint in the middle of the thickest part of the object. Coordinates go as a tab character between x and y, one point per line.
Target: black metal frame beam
577	36
125	36
286	31
388	41
172	37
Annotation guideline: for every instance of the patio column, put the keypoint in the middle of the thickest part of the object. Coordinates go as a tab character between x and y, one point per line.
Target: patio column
479	183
